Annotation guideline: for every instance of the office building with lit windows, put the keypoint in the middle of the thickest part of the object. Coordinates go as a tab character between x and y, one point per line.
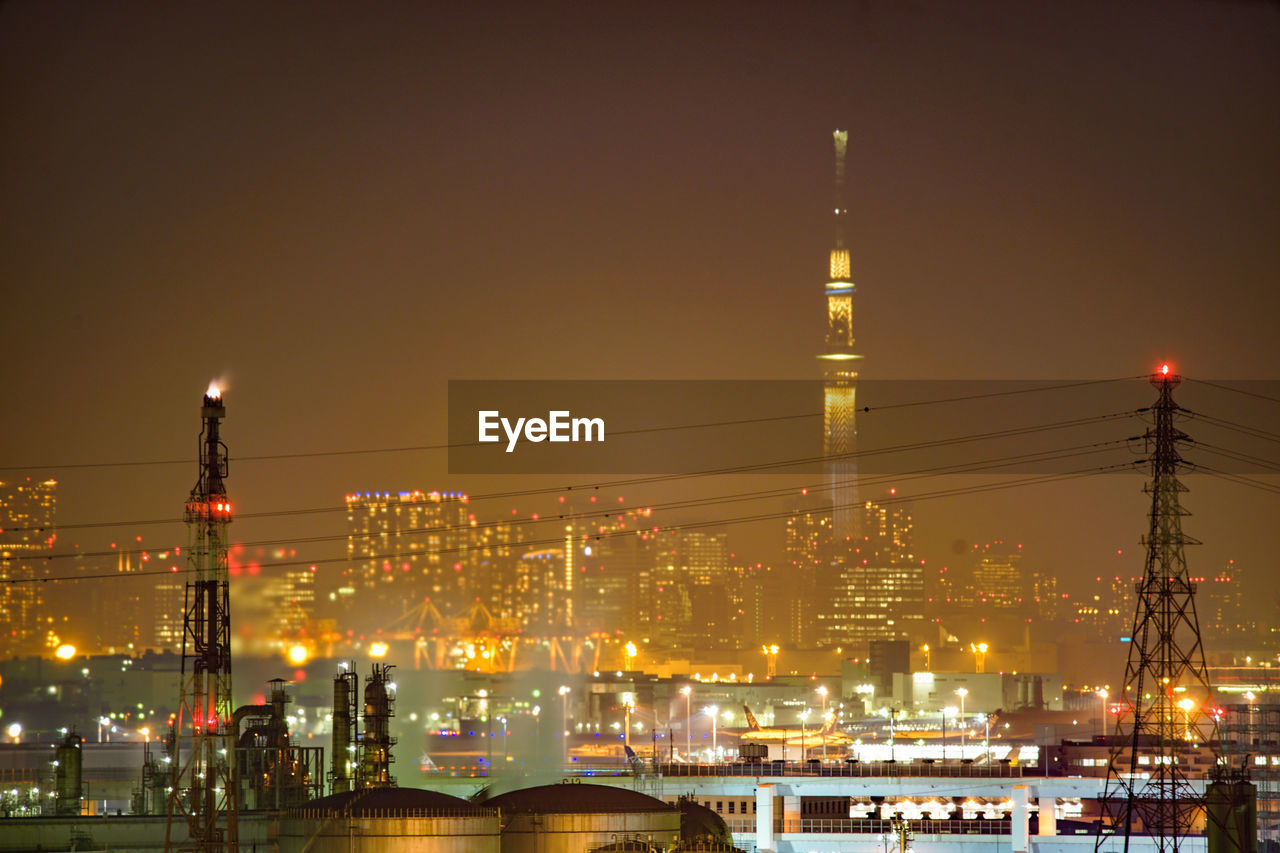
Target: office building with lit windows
27	509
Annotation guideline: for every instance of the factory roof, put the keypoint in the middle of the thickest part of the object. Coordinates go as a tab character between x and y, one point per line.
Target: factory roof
577	798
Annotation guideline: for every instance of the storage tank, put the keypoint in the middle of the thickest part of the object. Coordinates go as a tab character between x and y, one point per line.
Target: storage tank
1232	804
576	818
389	820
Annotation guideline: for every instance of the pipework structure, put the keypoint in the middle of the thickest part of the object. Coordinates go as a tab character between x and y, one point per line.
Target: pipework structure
204	792
1167	708
343	775
375	739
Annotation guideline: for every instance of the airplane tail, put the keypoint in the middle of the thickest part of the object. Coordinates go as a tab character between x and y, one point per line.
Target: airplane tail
752	725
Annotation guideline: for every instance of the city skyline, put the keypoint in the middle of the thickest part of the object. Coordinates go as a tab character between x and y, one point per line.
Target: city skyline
338	213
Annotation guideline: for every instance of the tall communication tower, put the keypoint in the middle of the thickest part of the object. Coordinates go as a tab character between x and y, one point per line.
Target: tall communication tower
1166	708
839	373
204	790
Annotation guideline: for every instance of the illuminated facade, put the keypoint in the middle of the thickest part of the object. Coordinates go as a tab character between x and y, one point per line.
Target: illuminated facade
406	546
540	590
998	576
27	531
879	590
808	551
1224	615
614	558
1106	608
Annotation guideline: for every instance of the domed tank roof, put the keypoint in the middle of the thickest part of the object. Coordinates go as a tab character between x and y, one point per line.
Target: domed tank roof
381	801
577	798
701	823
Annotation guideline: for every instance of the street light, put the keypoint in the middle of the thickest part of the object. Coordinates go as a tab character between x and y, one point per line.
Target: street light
687	690
630	650
1186	704
979	656
822	691
564	719
14	731
711	711
950	709
804	751
927	667
1102	711
962	692
771	658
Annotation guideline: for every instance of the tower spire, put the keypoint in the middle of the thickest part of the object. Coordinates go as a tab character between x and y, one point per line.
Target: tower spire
840	267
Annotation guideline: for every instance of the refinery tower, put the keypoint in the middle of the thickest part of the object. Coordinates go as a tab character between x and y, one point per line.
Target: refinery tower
840	372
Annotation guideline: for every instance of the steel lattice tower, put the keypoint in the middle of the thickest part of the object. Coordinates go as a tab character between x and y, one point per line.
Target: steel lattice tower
204	790
1166	707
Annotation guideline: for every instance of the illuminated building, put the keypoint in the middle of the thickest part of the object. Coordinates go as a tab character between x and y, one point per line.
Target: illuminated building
693	592
615	557
808	551
539	588
1106	609
998	575
1223	611
26	531
404	546
879	591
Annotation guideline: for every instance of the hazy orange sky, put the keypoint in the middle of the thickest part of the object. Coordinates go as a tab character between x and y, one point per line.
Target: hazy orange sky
340	206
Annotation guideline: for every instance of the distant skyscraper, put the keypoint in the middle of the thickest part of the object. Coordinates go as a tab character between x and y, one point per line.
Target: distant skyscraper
614	559
404	546
998	576
840	374
879	594
539	587
809	552
1221	602
1106	609
27	531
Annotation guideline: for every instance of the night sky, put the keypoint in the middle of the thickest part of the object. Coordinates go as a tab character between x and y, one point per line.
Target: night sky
338	207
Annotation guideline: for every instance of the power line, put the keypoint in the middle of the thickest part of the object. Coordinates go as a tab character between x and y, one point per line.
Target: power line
715	500
1253	394
663	478
1244	429
637	431
956	492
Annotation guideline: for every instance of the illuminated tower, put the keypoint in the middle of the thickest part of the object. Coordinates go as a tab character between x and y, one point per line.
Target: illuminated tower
1166	707
840	374
204	788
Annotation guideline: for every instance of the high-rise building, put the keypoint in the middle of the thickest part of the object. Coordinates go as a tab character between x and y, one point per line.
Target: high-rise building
540	589
404	546
27	509
1221	602
809	553
613	558
879	592
998	576
1105	609
693	590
